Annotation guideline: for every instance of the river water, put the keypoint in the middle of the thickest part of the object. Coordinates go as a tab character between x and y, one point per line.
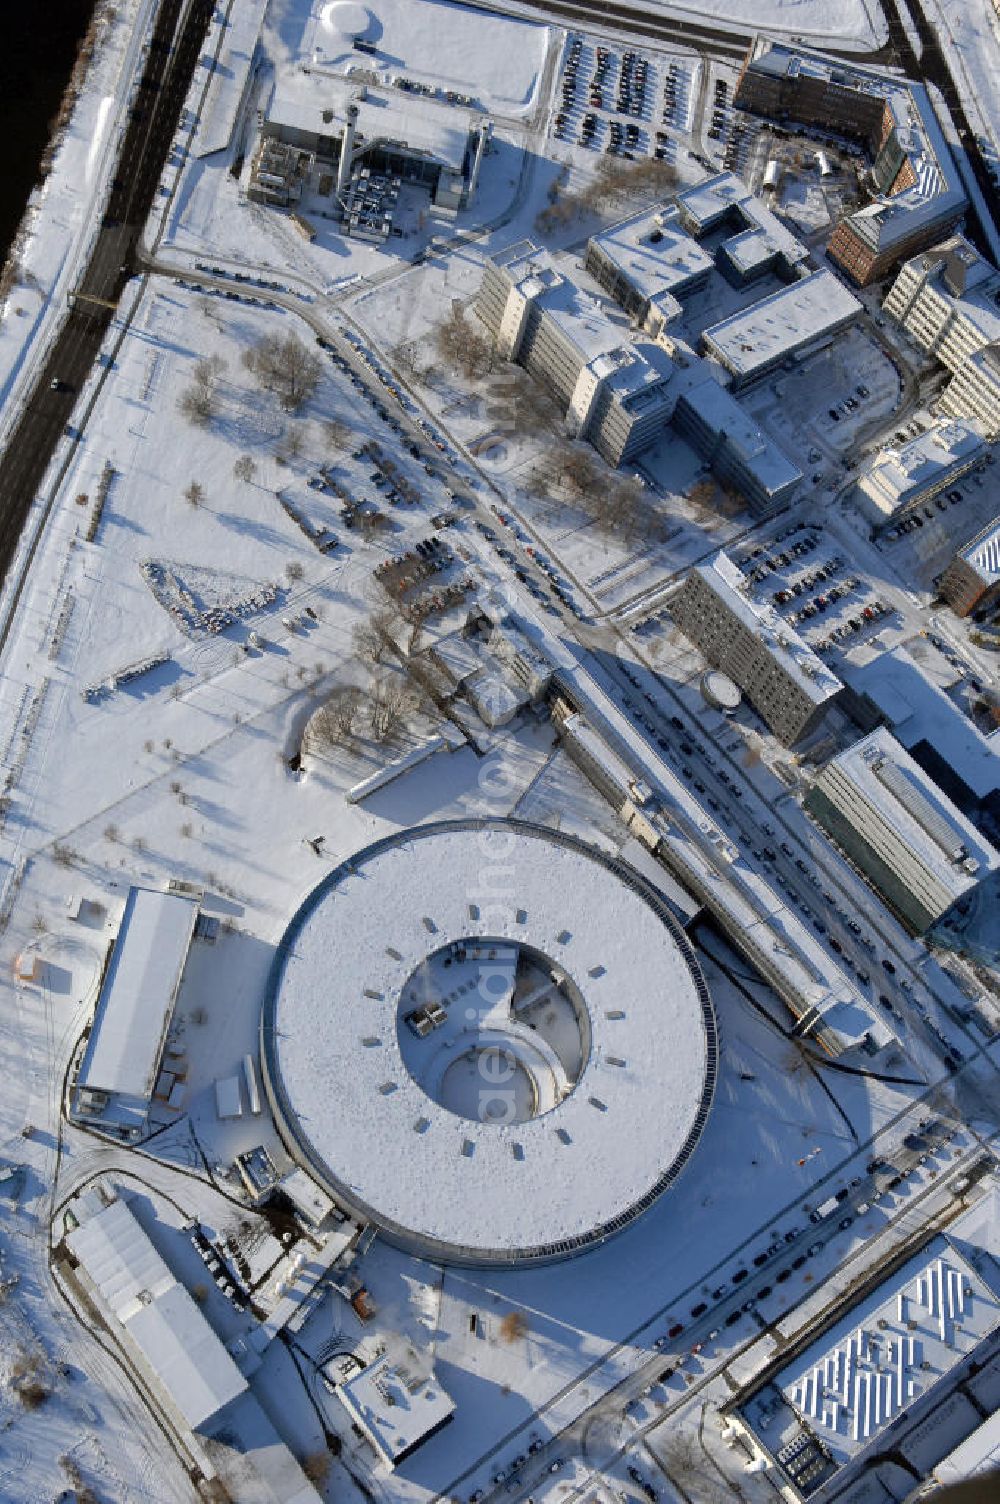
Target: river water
39	48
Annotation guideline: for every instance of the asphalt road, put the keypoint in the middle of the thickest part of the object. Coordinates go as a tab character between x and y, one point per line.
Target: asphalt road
152	123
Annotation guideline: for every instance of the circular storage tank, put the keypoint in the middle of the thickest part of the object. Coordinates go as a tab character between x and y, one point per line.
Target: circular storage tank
489	1039
343	18
719	691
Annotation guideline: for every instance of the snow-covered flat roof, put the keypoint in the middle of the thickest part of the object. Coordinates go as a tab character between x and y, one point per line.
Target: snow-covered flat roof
758	451
708	202
397	1401
487	1190
655	253
899	794
177	1343
137	998
316	103
891	1349
919	711
782	323
796	657
896	475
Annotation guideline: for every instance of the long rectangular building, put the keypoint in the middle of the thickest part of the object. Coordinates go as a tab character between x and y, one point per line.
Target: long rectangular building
786	325
613	390
903	477
117	1075
784	680
948	301
179	1351
919	852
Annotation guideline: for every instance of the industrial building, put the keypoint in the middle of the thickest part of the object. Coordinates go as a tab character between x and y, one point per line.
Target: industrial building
917	850
180	1353
118	1074
948	301
617	394
785	326
919	194
905	476
329	136
972	580
397	1402
183	1362
783	679
894	1382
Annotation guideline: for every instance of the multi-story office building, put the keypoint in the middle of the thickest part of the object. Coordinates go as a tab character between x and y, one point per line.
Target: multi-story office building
620	392
784	680
901	478
919	191
648	264
948	301
737	448
759	242
614	391
917	850
787	324
972	579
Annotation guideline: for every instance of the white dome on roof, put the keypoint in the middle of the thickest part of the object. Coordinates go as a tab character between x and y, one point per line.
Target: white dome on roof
343	18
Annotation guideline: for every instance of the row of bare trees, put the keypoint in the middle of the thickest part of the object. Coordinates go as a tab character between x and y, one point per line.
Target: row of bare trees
462	344
614	182
281	364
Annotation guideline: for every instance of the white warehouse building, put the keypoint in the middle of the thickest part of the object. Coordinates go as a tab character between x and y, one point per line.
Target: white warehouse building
118	1073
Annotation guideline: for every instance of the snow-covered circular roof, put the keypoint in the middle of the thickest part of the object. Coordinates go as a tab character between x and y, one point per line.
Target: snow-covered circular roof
443	948
343	18
720	691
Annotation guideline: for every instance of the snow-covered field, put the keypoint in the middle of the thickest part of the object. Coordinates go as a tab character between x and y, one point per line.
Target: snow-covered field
495	58
857	21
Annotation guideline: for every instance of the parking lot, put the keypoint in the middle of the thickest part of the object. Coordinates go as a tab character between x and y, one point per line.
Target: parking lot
613	101
922	544
811	584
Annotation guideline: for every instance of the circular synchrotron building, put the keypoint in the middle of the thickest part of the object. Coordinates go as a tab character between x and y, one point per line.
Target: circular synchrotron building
489	1039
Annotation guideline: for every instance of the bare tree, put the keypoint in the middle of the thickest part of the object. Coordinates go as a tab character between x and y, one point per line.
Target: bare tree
459	344
195	493
337	433
294	570
387	703
514	1326
372	637
197	402
285	366
196	405
335	721
245	468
